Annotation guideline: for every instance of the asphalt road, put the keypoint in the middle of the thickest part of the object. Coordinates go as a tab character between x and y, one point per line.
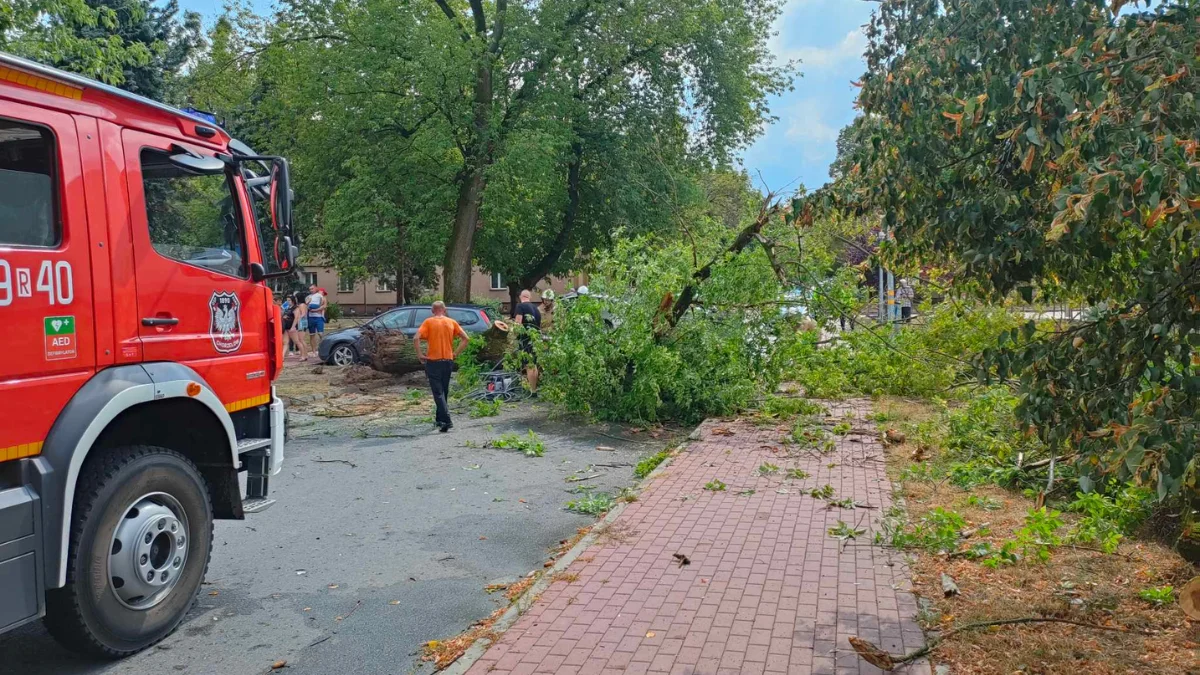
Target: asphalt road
362	561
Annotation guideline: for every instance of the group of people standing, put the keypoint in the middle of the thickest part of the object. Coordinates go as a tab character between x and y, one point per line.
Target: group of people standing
304	320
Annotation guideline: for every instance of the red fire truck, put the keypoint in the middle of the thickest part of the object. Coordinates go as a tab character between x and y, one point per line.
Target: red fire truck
140	346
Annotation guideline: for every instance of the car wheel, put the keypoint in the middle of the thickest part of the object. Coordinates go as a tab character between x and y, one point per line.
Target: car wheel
141	537
343	355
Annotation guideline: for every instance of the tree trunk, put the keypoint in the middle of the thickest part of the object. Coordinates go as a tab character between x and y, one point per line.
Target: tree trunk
456	272
391	352
495	343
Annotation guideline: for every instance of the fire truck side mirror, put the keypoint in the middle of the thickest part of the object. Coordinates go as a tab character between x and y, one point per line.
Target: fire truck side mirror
281	198
197	164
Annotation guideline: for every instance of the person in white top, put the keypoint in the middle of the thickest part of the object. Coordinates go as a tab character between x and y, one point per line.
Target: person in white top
316	303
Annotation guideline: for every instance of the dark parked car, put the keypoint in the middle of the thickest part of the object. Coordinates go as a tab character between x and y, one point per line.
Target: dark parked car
345	346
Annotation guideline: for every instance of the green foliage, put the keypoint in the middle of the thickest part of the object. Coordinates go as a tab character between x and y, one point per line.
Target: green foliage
768	469
796	474
482	408
938	531
648	464
1107	518
922	360
1039	533
333	311
841	428
469	373
807	432
788	406
529	444
593	504
976	443
642	368
1160	596
1061	165
715	486
80	35
844	531
984	502
823	492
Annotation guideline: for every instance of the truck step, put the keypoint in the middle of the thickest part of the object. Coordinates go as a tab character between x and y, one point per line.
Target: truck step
256	504
248	444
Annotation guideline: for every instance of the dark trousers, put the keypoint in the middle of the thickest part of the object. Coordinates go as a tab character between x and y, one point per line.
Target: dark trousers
906	314
439	373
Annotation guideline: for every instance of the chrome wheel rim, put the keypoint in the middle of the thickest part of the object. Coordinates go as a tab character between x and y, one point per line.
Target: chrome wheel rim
343	356
148	551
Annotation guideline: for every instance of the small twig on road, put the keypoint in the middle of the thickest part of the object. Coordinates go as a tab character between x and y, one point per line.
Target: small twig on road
357	604
613	466
578	479
319	640
336	461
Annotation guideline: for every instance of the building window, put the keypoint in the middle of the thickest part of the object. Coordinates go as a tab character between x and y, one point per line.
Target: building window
345	284
385	286
310	279
498	282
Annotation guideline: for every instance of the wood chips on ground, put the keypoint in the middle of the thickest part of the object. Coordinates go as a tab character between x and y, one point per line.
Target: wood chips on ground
1078	584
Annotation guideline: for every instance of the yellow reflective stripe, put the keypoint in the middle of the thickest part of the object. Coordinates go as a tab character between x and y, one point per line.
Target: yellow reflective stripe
248	403
41	83
19	451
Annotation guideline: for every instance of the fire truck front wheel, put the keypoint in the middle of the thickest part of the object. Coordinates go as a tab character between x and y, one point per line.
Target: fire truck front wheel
141	536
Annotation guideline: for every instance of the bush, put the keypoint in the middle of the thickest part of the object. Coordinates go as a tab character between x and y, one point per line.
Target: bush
1107	518
333	311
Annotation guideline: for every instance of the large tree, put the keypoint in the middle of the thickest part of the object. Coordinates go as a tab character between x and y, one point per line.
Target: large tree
141	25
53	31
539	98
1050	147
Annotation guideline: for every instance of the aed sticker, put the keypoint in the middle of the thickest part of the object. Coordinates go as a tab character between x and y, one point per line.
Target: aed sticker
60	338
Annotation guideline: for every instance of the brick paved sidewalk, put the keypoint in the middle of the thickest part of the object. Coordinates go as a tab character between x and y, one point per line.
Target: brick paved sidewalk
767	590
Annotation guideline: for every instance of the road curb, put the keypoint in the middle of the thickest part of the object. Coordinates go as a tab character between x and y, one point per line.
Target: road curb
526	600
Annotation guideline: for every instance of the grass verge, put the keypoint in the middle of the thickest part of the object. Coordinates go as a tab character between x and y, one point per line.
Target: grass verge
957	532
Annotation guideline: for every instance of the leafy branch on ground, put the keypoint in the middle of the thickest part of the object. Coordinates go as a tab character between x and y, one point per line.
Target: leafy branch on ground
530	444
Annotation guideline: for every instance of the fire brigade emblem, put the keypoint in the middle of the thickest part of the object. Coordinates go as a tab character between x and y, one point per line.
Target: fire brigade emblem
225	324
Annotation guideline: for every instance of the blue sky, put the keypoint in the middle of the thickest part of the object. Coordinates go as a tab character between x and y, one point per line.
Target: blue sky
826	36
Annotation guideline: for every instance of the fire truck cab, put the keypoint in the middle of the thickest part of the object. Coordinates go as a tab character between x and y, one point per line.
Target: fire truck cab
140	347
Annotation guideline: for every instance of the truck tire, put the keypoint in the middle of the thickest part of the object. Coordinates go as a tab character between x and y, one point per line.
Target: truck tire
141	537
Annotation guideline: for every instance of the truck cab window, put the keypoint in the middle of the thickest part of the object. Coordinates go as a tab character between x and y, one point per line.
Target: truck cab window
28	206
193	218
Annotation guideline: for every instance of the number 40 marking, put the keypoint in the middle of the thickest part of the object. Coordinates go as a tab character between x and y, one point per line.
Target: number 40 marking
55	281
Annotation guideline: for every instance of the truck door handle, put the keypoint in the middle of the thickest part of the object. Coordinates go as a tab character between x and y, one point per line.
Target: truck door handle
159	321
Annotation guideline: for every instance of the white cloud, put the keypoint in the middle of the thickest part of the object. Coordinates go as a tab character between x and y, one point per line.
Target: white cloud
806	124
848	50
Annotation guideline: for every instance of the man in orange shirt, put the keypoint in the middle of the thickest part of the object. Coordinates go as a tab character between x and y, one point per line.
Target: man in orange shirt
439	333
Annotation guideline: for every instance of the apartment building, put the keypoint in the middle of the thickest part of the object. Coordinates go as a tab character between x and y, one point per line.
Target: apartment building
369	297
